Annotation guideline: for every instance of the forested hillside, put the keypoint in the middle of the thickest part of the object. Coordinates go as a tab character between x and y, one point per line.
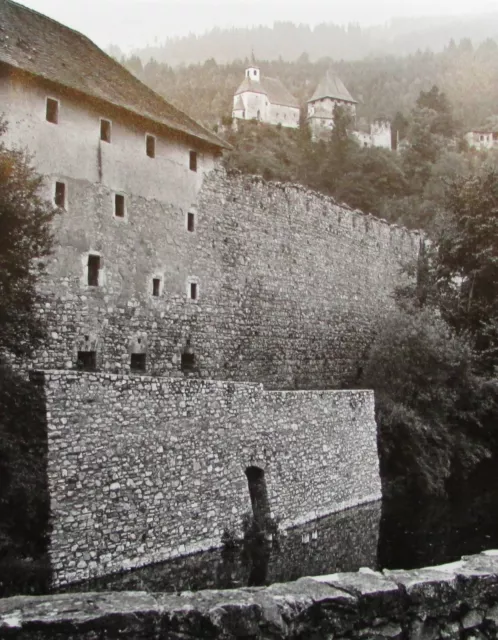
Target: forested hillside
468	75
352	42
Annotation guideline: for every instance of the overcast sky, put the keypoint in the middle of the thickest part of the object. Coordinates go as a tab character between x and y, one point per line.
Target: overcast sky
134	23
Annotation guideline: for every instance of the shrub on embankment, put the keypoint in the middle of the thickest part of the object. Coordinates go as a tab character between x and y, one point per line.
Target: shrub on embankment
24	499
433	364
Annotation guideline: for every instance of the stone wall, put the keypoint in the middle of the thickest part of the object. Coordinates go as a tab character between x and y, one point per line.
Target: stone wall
455	601
290	285
142	469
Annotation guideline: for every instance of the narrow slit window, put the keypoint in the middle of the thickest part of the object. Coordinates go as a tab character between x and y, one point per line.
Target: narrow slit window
193	291
93	270
119	205
105	130
156	286
190	221
138	362
60	195
52	112
188	362
150	146
87	360
193	161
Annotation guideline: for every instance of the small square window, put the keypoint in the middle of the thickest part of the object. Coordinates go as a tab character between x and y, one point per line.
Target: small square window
93	270
190	221
150	146
119	205
193	161
156	286
52	113
105	130
87	360
138	362
60	195
194	292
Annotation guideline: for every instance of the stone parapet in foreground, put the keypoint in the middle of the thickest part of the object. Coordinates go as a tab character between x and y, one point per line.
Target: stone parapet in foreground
458	600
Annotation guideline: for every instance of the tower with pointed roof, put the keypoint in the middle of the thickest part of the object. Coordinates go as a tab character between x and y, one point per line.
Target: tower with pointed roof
330	92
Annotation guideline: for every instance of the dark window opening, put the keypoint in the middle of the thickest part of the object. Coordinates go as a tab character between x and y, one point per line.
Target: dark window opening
193	161
105	130
259	496
60	195
119	205
255	72
193	291
190	221
137	362
156	286
188	362
150	145
93	270
87	360
52	113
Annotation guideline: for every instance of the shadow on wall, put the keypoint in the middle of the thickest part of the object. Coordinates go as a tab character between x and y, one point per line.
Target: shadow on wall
24	496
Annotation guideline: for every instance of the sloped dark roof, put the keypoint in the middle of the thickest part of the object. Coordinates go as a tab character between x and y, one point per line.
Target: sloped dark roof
331	86
272	88
45	48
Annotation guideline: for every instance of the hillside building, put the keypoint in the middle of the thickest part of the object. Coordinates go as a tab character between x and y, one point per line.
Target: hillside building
483	139
265	100
376	134
330	92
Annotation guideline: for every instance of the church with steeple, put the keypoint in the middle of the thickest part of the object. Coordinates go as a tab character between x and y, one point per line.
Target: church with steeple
265	100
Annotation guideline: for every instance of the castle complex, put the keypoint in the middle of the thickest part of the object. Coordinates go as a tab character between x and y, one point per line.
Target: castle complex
197	320
267	100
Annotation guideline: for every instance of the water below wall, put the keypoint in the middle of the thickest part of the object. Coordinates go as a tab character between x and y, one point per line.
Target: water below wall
395	534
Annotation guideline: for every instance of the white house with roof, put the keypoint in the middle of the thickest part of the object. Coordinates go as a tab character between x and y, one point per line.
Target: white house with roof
330	92
482	139
265	99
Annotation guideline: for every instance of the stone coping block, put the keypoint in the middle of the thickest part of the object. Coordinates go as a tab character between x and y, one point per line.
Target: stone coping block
422	603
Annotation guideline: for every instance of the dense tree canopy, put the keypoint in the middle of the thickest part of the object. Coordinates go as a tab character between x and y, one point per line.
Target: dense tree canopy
25	240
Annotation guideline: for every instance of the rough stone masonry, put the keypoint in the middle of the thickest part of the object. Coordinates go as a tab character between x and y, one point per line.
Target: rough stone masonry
142	469
453	602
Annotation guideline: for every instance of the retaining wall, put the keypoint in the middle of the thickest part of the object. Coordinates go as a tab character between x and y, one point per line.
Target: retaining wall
142	469
453	601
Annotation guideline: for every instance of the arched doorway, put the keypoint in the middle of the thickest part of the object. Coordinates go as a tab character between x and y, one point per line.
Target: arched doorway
259	495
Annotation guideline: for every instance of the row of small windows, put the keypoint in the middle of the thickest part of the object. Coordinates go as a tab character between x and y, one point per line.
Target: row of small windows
94	265
87	361
60	200
52	115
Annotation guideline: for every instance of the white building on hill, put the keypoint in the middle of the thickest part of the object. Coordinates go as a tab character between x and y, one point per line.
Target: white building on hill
482	139
266	100
377	134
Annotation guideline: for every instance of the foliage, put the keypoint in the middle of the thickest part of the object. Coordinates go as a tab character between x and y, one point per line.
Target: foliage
460	276
25	240
434	362
436	416
24	502
344	42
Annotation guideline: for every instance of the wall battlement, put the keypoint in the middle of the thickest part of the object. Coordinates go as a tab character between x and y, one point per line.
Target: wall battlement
142	469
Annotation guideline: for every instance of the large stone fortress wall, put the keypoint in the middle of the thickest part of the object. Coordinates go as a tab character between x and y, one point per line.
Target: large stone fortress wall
289	284
141	468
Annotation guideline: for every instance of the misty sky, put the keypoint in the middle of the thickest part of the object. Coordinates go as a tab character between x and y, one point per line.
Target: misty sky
135	23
